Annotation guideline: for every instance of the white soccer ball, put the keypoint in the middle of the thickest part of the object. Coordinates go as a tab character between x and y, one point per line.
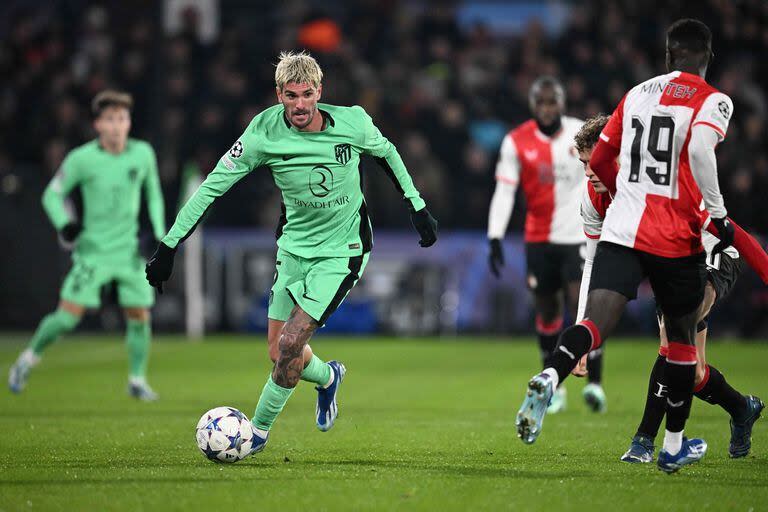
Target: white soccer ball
224	434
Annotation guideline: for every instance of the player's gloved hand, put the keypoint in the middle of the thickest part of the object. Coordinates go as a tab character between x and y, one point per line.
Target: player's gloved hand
726	232
496	257
426	225
69	234
160	266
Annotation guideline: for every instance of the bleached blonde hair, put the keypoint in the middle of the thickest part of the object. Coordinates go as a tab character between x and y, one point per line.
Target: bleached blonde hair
300	68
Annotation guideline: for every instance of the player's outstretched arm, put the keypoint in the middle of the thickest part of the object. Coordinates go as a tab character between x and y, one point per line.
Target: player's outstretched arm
55	201
386	155
153	194
231	168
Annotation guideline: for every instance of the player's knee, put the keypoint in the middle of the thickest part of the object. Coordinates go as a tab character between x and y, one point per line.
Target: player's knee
548	307
290	346
137	314
67	319
274	352
681	329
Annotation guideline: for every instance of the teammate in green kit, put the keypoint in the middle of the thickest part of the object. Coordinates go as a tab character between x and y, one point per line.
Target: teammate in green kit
112	172
324	235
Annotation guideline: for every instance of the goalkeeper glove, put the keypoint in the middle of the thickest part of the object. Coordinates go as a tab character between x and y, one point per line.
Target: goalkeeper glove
69	234
160	266
426	225
726	232
496	257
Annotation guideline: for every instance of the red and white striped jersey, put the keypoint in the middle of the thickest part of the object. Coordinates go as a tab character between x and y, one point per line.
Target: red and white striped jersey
656	206
593	209
551	175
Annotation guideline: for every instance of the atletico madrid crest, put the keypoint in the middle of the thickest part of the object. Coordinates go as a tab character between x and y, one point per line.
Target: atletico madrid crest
343	153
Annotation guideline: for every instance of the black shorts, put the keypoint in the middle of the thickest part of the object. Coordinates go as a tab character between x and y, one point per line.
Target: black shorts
722	272
678	283
552	266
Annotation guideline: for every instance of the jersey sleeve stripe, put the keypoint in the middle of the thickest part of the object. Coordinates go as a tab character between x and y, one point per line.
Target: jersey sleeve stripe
593	237
509	181
713	126
607	139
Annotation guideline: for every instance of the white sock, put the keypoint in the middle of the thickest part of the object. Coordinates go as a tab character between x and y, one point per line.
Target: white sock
29	358
330	381
552	375
137	381
673	442
261	433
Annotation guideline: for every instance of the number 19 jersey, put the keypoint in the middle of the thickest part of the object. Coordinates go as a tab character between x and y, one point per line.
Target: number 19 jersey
656	206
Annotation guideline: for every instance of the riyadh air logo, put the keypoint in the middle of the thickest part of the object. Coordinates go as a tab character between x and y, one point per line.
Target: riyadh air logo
343	153
320	181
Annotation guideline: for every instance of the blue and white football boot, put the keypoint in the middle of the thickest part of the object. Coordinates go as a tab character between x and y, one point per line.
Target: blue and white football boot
692	450
19	372
260	438
594	397
530	417
741	432
327	408
640	451
140	390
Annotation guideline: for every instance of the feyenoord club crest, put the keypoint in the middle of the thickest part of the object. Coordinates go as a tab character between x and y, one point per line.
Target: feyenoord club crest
343	153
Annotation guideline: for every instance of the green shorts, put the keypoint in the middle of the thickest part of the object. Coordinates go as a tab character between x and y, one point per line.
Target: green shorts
317	285
85	280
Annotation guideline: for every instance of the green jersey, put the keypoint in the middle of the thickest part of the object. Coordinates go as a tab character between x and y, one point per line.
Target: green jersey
111	187
323	208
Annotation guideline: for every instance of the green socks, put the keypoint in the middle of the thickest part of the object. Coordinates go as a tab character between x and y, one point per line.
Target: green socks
273	397
51	327
316	371
137	336
271	403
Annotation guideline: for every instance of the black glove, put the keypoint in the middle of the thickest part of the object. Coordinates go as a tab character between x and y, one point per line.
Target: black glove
426	225
725	233
70	232
496	257
160	266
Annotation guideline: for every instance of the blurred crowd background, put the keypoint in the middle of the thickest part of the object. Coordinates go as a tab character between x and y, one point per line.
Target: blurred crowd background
443	80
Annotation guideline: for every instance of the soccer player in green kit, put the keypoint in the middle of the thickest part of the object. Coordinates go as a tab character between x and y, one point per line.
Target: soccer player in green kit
111	171
324	235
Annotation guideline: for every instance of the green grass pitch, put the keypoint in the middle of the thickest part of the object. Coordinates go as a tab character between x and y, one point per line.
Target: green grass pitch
424	424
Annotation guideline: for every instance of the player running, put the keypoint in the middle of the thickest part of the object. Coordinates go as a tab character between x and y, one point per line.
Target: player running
665	130
111	171
539	156
722	272
324	234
